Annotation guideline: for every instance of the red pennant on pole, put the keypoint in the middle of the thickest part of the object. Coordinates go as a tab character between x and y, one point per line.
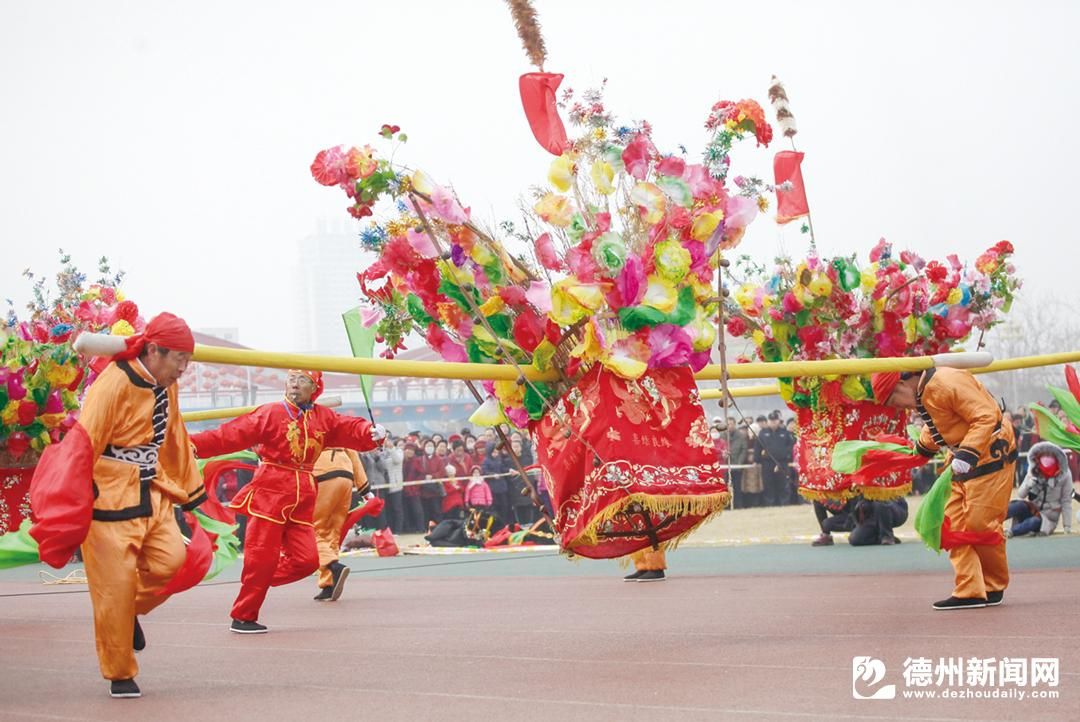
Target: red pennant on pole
538	99
790	204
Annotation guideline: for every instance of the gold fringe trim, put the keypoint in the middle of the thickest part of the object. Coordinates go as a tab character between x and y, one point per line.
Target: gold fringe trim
706	506
873	493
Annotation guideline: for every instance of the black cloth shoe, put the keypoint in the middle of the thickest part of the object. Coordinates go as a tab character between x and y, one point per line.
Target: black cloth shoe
138	641
324	594
633	577
995	598
340	573
121	688
247	627
960	603
652	576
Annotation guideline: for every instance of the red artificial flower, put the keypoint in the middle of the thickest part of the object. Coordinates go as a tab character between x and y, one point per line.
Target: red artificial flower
126	311
936	272
763	132
1004	248
883	249
399	256
368	280
737	326
17	443
528	330
360	210
328	168
513	295
359	163
27	412
388	130
552	332
812	337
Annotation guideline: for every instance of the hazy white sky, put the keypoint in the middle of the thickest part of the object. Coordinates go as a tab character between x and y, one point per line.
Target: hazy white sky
176	137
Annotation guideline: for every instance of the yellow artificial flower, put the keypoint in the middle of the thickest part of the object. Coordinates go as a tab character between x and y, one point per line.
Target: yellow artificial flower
460	276
121	328
492	306
661	295
561	173
853	388
820	286
10	414
572	301
909	329
705	224
758	337
510	393
589	348
421	182
702	331
955	297
651	199
490	413
542	355
120	296
555	209
481	254
744	296
786	391
625	366
602	176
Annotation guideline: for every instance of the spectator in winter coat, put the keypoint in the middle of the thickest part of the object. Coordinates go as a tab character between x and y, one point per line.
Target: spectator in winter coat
477	492
412	469
1045	496
494	469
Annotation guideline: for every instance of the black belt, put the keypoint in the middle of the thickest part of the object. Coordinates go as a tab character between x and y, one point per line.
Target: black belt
988	468
335	474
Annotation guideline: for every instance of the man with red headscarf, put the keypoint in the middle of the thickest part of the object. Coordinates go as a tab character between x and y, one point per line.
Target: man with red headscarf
288	435
962	416
131	447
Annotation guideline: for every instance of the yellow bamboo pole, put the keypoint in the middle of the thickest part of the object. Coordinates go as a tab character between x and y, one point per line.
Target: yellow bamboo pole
1011	364
225	413
500	372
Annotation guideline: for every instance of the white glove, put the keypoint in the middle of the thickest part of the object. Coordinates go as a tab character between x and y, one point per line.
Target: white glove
379	433
959	466
368	496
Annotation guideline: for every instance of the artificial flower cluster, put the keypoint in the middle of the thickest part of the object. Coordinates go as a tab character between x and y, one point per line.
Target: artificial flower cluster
42	378
626	241
897	305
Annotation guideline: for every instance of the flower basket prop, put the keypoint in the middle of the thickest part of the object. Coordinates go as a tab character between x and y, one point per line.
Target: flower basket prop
896	305
640	470
619	299
42	377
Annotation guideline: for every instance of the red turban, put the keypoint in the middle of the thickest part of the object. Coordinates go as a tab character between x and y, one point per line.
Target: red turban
883	384
166	330
316	378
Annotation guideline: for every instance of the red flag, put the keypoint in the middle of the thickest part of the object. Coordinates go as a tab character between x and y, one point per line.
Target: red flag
198	556
538	98
371	507
790	204
62	497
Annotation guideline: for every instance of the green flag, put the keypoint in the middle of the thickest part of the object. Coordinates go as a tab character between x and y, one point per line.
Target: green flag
362	341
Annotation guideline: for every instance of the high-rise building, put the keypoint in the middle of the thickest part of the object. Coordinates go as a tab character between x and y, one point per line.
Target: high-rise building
327	262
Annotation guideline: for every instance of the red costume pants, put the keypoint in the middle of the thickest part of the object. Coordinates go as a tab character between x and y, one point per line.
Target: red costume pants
274	554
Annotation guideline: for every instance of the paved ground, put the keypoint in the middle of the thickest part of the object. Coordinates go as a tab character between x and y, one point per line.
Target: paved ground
763	633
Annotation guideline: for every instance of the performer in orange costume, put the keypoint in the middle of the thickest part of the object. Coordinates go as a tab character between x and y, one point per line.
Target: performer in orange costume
649	566
288	435
961	415
337	473
130	431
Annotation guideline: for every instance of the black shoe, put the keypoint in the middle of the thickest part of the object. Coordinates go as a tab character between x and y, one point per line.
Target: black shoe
340	573
960	603
121	688
324	594
652	576
633	577
138	641
247	627
995	598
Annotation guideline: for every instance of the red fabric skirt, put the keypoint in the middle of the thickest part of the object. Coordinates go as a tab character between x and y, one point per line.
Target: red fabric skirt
14	496
818	432
629	464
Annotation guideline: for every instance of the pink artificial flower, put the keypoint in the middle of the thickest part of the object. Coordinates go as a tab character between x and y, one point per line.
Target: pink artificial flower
371	316
698	360
446	207
518	416
632	282
636	156
671	165
581	263
539	295
670	346
421	243
882	250
546	253
442	344
954	261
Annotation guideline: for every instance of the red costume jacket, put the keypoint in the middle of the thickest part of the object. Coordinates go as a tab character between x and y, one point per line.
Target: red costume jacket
288	441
